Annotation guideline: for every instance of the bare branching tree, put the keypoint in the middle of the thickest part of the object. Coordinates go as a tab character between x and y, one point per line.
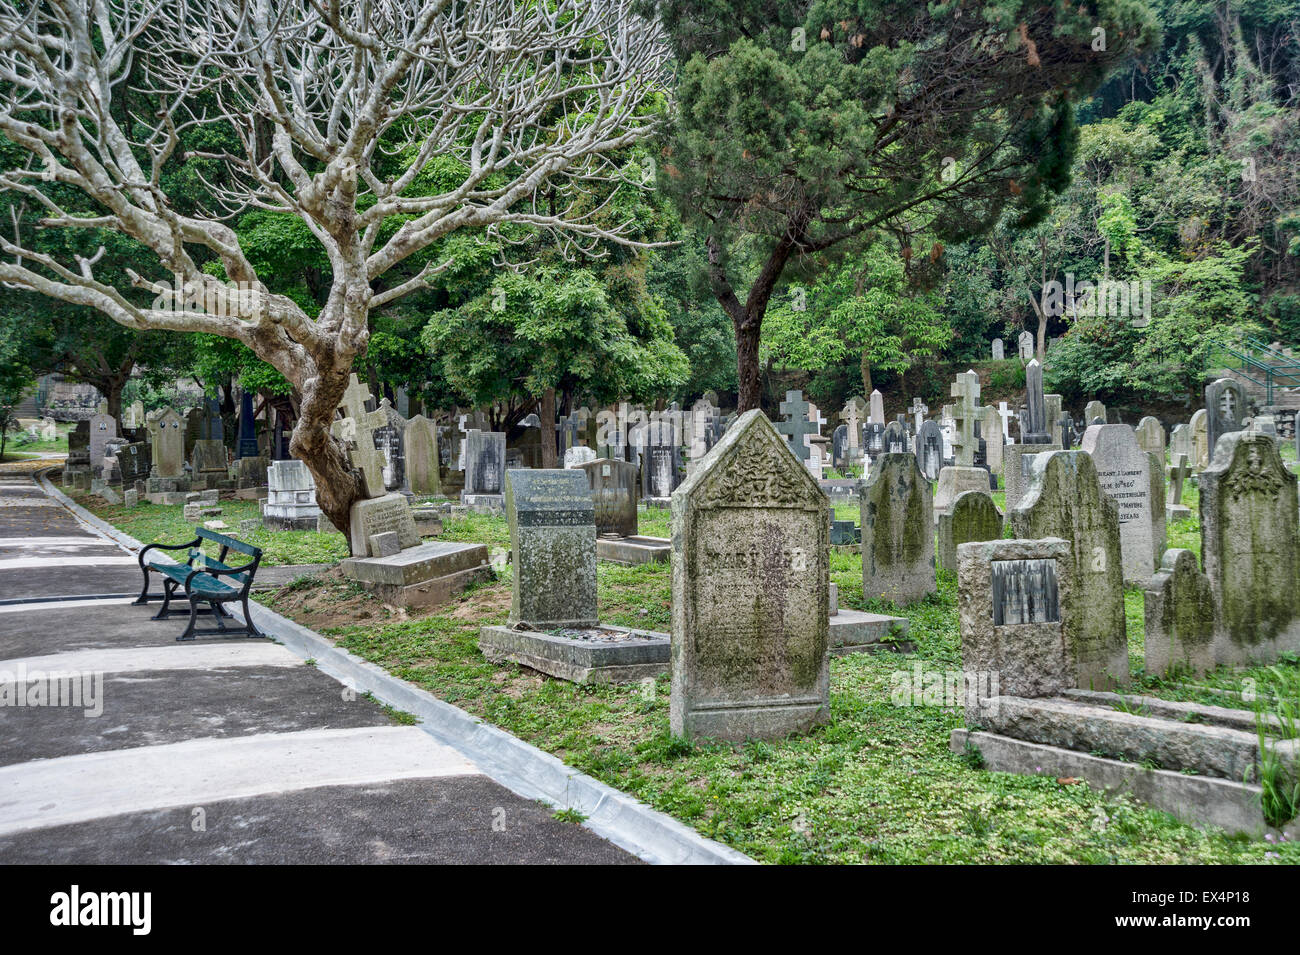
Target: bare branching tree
337	109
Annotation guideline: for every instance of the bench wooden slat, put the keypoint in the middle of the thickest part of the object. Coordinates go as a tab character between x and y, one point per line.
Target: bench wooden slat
231	542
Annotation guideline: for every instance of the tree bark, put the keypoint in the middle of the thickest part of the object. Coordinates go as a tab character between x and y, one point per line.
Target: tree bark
338	486
867	387
546	412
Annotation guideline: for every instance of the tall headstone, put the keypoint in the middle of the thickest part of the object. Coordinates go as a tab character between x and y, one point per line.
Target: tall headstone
966	389
247	427
1125	473
853	416
485	465
877	407
422	459
613	494
1052	412
169	445
751	594
796	427
1033	426
1249	531
1180	442
1225	410
1200	439
974	517
929	450
897	531
103	429
918	411
991	431
553	543
999	350
1065	500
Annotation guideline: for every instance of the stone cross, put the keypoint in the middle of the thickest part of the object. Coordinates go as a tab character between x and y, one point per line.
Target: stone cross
852	418
359	426
796	427
1179	472
1006	414
918	411
967	390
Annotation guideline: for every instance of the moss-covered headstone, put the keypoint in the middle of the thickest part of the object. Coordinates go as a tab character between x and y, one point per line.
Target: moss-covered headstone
750	591
898	530
553	537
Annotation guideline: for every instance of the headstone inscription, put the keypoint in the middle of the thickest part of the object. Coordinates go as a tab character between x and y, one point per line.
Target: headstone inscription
929	449
613	494
750	647
485	465
1125	473
553	540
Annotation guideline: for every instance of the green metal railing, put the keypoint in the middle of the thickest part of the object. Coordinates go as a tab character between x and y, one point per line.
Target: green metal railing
1258	362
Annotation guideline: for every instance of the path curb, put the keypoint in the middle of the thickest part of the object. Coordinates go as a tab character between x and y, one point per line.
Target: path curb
519	766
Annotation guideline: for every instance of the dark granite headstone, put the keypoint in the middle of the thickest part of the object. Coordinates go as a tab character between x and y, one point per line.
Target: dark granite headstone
929	450
613	494
553	538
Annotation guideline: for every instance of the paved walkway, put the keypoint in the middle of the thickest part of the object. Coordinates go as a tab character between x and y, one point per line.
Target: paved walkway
215	750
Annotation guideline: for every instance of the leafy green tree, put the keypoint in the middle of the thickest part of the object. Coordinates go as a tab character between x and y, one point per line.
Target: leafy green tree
801	127
16	376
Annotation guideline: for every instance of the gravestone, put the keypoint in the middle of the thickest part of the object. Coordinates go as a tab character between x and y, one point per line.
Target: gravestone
485	467
422	474
895	438
169	445
134	462
553	544
1017	467
990	423
209	458
1034	428
613	493
247	447
873	439
211	427
1178	606
1015	600
1249	529
1180	442
953	481
103	429
1151	436
1126	475
966	389
1052	414
290	503
379	515
750	591
1065	500
796	427
1225	410
897	531
1094	413
973	517
578	455
390	441
660	474
1180	471
1025	346
1200	439
840	446
918	411
877	407
853	416
929	450
999	350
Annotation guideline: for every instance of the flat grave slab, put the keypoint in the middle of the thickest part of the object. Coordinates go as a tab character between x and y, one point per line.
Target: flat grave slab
630	551
602	654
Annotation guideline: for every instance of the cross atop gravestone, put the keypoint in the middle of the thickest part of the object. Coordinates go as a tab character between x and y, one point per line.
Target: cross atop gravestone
796	427
966	389
852	414
1179	472
918	412
359	426
1006	414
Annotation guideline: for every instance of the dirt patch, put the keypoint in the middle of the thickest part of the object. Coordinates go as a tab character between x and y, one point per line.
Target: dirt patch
483	604
328	599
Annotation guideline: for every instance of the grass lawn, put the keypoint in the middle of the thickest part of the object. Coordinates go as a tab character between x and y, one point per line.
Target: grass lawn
877	784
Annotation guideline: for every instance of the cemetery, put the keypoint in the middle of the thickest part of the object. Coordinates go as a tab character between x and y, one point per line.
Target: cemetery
802	538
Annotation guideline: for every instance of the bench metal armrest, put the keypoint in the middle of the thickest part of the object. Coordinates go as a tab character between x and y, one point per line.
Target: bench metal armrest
149	547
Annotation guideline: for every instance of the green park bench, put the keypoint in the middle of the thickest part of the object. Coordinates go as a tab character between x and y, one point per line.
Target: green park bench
200	579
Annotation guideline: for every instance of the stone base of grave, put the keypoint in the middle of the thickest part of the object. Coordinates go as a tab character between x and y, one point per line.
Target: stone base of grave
300	523
853	631
634	550
426	575
484	503
603	654
1199	800
1177	512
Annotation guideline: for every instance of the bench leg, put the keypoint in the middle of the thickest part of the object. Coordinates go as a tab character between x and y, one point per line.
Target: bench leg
144	591
248	620
194	616
169	587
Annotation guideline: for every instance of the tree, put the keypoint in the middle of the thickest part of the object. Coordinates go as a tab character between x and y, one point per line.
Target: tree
804	126
337	109
16	377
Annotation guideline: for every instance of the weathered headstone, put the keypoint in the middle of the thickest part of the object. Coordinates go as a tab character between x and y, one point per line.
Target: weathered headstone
877	407
1180	442
578	455
379	515
247	427
1249	531
974	517
1052	413
750	591
290	497
422	458
796	427
1151	436
553	539
103	428
1125	473
1200	439
1034	428
169	445
1179	472
1065	500
1179	611
897	531
1094	413
999	350
485	466
1025	346
613	494
895	438
1017	467
955	480
209	458
660	473
929	450
966	389
991	431
1225	410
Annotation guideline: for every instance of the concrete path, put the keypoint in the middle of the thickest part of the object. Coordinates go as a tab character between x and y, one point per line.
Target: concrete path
119	745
